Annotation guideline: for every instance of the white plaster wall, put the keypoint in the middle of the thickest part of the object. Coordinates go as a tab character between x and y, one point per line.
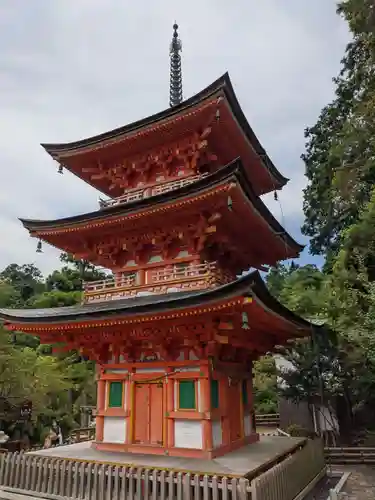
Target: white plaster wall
188	434
217	434
116	370
247	424
114	430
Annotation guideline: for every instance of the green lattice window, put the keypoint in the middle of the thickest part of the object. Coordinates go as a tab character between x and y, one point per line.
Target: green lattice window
115	399
186	395
214	394
245	395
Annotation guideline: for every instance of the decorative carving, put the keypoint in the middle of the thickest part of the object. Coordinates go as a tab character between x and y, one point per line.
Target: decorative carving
191	153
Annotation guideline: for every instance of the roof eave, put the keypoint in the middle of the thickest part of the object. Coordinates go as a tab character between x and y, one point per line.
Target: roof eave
233	170
251	284
223	83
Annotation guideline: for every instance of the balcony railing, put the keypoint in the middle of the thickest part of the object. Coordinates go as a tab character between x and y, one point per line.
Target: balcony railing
156	281
147	191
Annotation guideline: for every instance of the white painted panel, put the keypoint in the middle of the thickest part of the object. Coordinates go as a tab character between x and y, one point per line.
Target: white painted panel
182	253
188	434
192	356
217	434
125	400
247	424
175	395
189	369
150	370
116	370
181	356
114	430
199	391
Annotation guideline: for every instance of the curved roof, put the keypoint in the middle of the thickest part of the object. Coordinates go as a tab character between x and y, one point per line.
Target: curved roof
222	87
232	172
249	285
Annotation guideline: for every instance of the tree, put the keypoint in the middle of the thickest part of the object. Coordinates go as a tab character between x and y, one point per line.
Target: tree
25	279
264	381
54	299
86	270
9	296
339	157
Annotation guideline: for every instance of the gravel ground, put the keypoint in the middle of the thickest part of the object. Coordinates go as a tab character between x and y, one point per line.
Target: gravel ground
360	484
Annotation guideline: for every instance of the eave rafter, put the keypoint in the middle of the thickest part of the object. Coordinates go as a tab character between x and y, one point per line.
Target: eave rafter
241	323
190	153
191	116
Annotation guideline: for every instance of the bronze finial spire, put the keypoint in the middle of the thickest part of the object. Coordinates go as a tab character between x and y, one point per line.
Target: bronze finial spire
175	89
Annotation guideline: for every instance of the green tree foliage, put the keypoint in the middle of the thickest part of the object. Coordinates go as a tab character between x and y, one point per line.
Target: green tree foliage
55	384
26	279
265	388
339	157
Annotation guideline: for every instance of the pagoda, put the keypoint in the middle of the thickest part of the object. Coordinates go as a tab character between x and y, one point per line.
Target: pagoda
174	331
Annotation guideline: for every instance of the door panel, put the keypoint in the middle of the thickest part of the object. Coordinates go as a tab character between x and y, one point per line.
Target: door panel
141	413
148	414
156	414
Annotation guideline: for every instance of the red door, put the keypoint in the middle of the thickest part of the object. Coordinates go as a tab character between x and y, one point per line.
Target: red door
141	405
148	415
156	414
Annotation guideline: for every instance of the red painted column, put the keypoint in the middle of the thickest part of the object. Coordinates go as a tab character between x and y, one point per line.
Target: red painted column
130	409
225	405
205	392
100	410
250	391
170	387
142	277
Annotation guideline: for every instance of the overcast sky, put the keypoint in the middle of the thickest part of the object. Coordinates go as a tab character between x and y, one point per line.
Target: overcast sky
73	68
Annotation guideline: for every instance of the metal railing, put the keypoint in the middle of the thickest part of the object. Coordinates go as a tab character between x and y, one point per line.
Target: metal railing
148	191
177	276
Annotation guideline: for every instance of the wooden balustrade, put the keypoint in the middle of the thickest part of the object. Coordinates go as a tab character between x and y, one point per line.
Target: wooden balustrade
177	272
147	191
60	479
179	276
121	281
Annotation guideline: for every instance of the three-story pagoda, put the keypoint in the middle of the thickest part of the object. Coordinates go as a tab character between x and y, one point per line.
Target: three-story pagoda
174	331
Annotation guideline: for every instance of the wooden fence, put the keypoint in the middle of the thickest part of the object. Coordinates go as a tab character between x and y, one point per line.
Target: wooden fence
59	479
350	455
289	478
268	419
82	434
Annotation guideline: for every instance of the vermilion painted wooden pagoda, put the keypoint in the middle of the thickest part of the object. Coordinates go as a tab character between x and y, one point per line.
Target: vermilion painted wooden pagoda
174	332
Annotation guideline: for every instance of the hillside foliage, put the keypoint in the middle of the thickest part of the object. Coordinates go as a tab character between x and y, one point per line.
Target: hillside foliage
338	362
56	385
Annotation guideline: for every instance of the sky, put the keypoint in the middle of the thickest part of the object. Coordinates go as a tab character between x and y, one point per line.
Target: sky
70	69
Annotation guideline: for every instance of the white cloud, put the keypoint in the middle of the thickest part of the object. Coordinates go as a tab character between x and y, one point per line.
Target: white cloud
71	69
